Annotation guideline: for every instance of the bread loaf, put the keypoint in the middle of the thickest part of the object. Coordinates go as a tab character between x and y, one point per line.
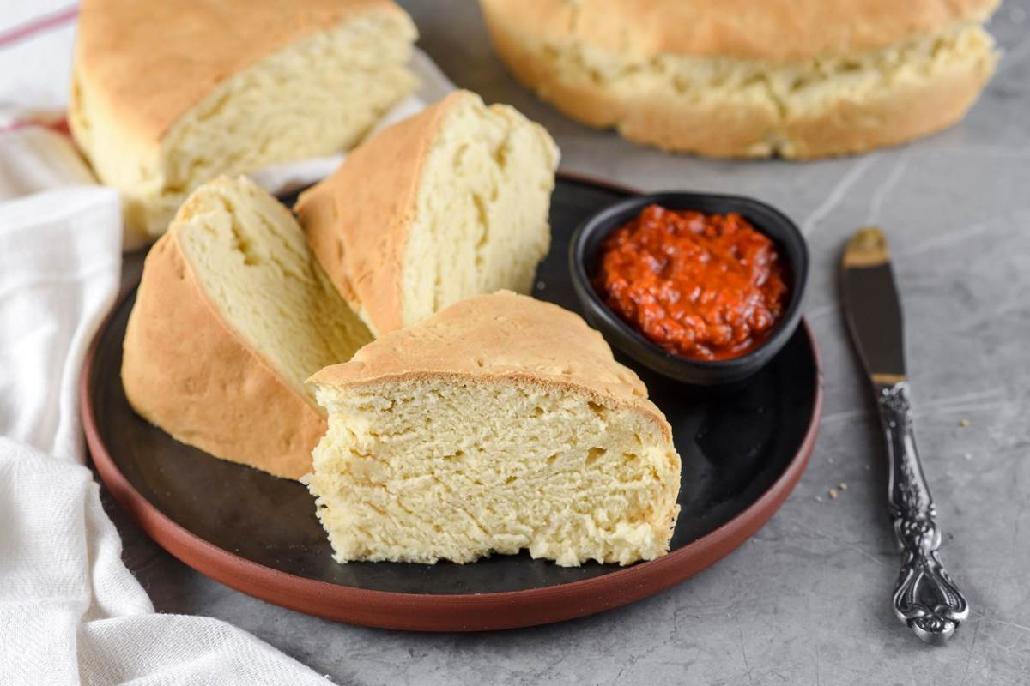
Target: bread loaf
169	95
500	424
232	315
449	203
748	78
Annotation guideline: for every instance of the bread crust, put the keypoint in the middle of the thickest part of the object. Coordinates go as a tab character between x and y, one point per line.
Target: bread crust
186	370
503	336
768	30
147	64
357	220
749	128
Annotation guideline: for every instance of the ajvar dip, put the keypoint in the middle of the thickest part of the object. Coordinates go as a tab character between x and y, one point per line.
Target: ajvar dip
704	286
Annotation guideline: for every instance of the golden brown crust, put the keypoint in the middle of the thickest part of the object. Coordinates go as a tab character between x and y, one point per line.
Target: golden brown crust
769	30
187	371
151	62
755	127
501	336
357	220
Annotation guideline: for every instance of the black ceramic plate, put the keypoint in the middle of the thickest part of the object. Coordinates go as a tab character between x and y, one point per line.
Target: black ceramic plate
742	454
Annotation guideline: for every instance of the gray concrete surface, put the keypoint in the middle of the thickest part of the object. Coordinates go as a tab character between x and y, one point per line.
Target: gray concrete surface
807	600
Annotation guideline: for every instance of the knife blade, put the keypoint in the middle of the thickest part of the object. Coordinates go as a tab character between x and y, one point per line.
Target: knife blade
872	306
925	598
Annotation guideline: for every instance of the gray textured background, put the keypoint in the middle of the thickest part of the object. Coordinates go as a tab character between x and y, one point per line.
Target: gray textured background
807	600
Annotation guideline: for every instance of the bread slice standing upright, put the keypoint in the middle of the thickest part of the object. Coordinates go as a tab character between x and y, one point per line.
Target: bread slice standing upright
167	95
449	203
501	423
232	315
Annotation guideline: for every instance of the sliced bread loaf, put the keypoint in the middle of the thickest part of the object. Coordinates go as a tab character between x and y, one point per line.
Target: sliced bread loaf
169	95
500	424
447	204
232	315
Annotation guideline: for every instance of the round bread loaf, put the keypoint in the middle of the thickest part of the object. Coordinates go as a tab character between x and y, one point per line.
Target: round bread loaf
751	78
449	203
168	95
232	315
501	423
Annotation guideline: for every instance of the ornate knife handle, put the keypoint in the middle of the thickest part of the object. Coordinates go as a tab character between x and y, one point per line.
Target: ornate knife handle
925	597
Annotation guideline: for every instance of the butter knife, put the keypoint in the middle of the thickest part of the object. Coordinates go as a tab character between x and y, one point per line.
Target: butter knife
925	597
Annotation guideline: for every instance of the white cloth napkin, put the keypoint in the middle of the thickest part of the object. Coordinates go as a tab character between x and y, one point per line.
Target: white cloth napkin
70	611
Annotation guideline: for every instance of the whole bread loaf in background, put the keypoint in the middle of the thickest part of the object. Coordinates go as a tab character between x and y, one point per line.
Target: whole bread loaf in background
751	78
167	95
232	315
501	423
449	203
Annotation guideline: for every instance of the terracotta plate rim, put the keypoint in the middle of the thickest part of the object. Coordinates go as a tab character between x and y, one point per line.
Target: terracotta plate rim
443	612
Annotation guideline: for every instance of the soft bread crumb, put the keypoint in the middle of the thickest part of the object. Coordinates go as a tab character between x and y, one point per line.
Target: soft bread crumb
446	469
481	218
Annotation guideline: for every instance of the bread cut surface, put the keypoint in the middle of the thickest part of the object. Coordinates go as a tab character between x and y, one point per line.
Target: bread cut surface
231	316
169	95
498	425
449	203
752	79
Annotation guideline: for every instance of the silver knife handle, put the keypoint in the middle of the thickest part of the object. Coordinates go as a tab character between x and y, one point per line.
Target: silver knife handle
925	598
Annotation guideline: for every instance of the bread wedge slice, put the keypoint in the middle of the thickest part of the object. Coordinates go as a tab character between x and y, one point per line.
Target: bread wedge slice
231	316
500	424
449	203
168	95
